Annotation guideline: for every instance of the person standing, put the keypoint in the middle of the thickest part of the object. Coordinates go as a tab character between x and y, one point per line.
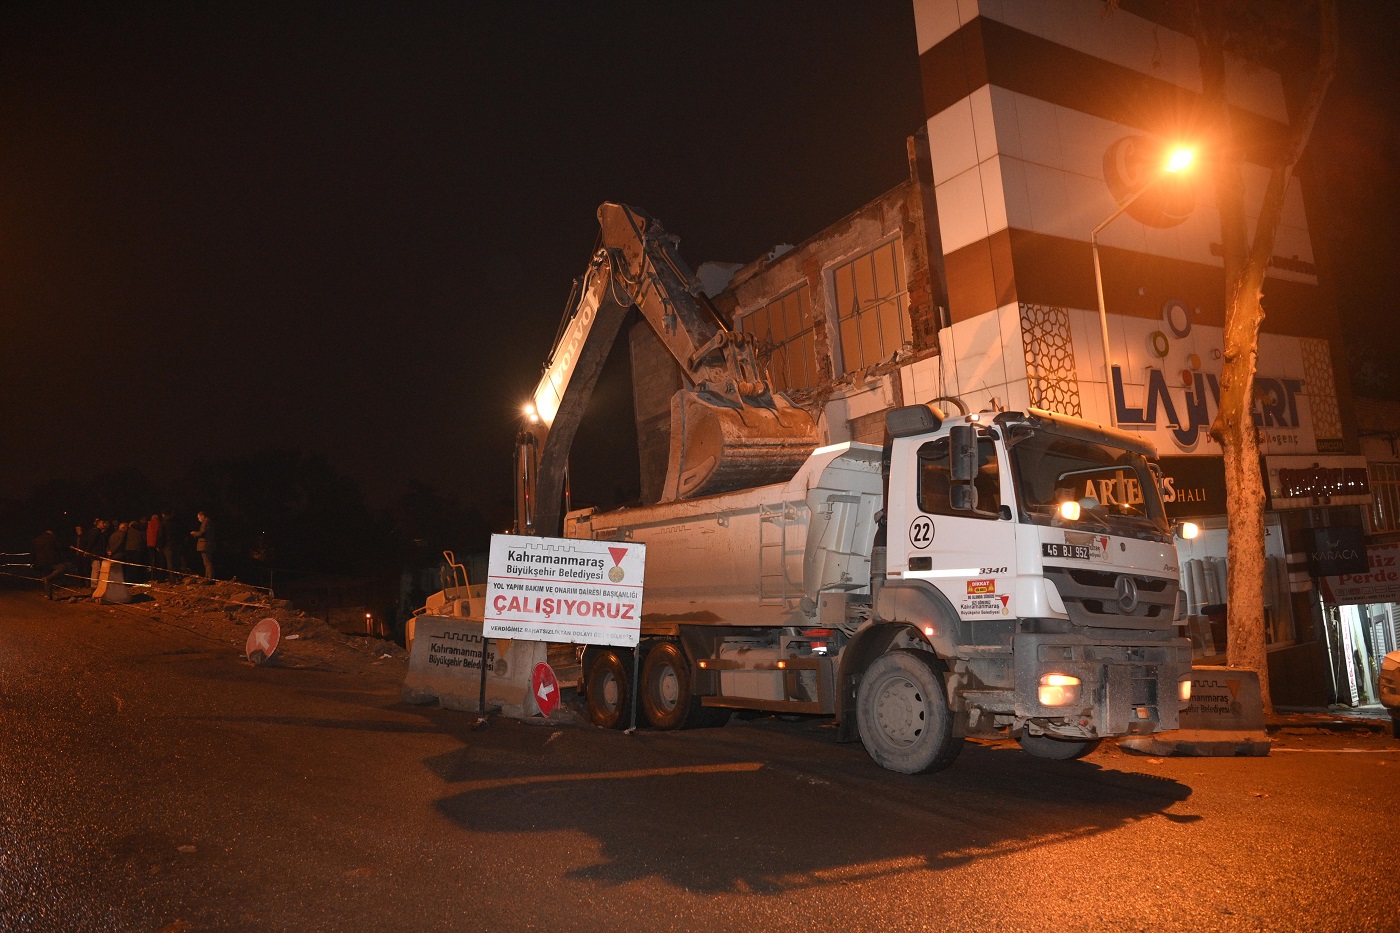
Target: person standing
204	543
134	551
116	542
155	553
172	544
50	560
94	545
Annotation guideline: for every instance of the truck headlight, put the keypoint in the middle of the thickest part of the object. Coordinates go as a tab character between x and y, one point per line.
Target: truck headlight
1058	689
1183	689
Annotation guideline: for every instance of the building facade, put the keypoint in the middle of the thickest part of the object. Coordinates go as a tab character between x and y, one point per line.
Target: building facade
975	279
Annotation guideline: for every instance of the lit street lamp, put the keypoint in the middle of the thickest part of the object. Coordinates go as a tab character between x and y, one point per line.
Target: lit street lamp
1178	161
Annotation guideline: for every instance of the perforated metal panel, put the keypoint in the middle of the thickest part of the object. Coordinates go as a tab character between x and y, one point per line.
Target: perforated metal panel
1321	388
1050	370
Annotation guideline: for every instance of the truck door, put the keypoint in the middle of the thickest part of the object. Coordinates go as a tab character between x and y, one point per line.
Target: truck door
968	553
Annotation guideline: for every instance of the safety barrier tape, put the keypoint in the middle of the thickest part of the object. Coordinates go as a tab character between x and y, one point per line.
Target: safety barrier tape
150	586
149	567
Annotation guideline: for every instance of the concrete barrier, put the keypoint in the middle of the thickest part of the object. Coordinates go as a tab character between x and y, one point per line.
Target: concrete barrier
110	585
1225	718
444	666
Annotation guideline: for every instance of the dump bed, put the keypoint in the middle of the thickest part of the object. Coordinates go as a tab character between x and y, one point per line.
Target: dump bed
757	556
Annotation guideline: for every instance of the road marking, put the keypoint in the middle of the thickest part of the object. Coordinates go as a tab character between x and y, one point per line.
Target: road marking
611	775
1354	751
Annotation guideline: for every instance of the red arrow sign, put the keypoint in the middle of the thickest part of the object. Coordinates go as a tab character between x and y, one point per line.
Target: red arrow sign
262	641
545	686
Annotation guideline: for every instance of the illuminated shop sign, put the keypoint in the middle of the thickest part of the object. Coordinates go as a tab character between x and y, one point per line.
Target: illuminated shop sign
1166	383
1187	411
1307	482
1378	583
1193	487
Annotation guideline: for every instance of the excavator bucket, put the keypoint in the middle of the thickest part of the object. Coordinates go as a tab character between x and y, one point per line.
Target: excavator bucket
717	447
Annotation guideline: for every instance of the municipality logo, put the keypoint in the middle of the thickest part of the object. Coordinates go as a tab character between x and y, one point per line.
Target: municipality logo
617	574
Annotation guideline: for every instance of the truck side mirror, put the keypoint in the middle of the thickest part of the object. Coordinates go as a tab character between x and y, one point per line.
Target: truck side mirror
963	498
963	453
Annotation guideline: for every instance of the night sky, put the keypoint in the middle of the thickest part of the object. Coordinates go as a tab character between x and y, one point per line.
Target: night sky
352	227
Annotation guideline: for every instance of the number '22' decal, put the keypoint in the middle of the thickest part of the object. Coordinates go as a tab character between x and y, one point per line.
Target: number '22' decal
921	532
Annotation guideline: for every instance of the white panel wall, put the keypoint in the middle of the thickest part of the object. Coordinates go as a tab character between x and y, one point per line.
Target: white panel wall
985	357
920	380
1002	159
1120	38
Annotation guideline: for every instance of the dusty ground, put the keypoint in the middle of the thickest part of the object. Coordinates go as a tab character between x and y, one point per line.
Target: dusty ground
227	611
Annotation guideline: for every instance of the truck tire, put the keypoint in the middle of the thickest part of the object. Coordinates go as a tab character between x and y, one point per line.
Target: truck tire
667	699
1043	746
609	700
902	713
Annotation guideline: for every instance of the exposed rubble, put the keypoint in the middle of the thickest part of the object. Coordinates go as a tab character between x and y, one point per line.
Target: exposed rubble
226	610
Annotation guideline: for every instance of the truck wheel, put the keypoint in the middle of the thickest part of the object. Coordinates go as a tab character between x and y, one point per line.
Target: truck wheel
902	714
609	701
1043	746
666	696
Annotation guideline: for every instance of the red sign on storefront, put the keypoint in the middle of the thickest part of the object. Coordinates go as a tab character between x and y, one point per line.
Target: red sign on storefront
1380	584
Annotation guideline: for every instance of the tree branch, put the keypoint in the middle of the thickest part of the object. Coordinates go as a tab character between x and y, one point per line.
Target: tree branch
1300	130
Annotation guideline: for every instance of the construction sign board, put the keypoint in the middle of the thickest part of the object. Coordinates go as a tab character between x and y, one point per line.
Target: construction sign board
565	590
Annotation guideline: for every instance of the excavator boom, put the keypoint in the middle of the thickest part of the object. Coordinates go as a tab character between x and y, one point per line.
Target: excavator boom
729	430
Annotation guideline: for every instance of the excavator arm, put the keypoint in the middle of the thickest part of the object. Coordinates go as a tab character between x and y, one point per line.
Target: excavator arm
729	430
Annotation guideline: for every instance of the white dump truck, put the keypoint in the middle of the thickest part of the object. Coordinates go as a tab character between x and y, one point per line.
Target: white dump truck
1008	572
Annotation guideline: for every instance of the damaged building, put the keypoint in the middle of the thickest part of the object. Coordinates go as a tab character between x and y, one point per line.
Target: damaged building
975	279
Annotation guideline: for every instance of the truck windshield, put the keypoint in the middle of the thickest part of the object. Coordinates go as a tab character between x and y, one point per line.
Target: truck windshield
1116	488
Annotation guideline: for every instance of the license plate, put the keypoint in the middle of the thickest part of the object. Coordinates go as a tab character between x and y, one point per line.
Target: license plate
1071	551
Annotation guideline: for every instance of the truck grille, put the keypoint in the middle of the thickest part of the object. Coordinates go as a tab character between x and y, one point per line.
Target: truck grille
1112	600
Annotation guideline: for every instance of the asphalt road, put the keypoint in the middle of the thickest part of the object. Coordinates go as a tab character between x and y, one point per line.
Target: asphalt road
152	780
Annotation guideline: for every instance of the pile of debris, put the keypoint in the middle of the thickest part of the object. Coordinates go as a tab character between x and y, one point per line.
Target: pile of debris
227	610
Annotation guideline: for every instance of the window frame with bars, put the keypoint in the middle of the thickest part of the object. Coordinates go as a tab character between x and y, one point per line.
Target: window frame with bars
1384	512
778	355
878	303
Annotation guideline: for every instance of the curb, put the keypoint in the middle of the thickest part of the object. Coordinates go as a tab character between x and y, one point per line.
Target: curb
1200	743
1326	724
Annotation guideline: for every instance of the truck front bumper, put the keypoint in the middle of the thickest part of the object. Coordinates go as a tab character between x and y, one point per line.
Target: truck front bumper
1124	685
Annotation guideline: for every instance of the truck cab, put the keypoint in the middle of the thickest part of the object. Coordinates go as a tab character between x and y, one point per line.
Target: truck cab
1033	553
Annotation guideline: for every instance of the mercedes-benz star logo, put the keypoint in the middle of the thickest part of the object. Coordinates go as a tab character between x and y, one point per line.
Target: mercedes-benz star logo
1127	591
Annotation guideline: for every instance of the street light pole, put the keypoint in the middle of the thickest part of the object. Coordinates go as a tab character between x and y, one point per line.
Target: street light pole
1178	162
1103	310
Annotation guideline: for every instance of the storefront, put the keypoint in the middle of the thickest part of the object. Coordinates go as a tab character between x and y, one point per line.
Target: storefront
1320	500
1305	631
1364	611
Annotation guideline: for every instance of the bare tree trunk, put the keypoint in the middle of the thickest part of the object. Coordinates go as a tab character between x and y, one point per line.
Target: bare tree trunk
1245	266
1244	483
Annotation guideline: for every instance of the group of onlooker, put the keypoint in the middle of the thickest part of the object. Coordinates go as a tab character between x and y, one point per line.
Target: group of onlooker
148	548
